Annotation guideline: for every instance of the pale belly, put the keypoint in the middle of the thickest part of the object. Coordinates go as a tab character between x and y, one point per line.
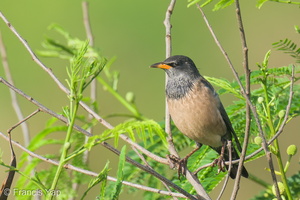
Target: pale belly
198	118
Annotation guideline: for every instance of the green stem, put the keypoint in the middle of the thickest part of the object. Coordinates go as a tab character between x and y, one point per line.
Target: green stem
276	144
76	153
287	165
287	2
282	171
259	181
63	160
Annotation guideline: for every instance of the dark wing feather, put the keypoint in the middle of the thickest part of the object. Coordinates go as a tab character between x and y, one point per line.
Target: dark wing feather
229	126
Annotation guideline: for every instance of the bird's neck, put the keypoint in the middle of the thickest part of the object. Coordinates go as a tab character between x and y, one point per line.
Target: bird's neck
178	87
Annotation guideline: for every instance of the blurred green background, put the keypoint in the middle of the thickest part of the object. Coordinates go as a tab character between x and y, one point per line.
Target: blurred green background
133	31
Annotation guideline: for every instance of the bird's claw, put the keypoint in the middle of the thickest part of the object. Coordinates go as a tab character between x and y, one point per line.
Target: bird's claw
181	164
220	162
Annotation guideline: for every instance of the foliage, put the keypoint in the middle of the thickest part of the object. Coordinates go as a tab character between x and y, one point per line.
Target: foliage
270	97
85	64
289	47
225	3
294	184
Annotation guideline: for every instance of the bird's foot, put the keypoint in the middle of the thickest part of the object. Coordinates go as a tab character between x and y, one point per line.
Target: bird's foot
181	164
220	162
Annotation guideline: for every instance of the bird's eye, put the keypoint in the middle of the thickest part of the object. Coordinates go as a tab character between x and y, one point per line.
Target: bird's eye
174	64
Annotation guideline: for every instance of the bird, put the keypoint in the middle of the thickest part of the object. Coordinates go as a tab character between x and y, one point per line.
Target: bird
197	111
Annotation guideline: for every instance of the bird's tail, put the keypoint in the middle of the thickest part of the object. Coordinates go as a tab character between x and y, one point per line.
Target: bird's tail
234	167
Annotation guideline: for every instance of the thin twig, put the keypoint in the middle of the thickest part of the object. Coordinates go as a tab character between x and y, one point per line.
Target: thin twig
41	107
64	89
14	99
23	120
93	85
248	90
288	107
253	109
144	151
86	22
50	73
280	130
229	147
152	172
15	103
190	176
90	173
63	119
147	164
167	23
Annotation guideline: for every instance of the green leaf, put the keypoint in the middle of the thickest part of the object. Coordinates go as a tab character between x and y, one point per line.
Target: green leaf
294	184
288	47
102	177
144	129
118	184
226	85
260	3
222	4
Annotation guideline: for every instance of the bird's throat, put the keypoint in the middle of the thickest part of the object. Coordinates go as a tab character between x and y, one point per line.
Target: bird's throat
179	87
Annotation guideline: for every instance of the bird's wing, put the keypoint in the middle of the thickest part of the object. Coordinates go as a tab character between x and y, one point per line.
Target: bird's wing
223	114
229	126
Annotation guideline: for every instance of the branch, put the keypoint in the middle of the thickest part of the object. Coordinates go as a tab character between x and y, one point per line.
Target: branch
229	147
50	73
64	89
90	173
23	121
167	23
190	176
41	107
63	119
86	22
93	85
14	99
147	164
253	109
154	173
248	90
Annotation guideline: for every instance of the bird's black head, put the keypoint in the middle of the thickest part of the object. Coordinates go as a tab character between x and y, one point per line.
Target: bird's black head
182	74
178	66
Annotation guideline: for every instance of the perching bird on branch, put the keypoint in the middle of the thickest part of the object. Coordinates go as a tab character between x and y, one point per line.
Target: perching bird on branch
197	111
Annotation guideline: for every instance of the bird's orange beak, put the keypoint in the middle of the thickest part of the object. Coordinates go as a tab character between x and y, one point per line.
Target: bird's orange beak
161	66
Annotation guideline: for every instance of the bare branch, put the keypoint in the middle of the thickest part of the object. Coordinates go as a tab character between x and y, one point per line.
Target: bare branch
229	147
154	173
167	23
93	85
44	109
14	99
63	88
86	21
253	109
90	173
190	176
41	107
288	107
23	120
50	73
147	164
248	90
